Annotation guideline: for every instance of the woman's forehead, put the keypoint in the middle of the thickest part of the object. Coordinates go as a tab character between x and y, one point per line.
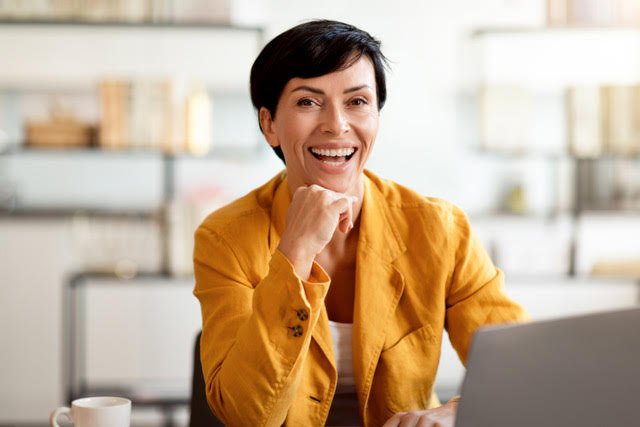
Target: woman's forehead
360	74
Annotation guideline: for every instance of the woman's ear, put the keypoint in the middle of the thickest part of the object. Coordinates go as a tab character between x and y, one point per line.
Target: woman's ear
268	127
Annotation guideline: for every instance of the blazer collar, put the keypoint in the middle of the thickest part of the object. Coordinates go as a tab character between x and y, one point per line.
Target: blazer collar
378	232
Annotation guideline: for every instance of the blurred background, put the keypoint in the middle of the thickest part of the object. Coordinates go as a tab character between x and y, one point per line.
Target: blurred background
124	123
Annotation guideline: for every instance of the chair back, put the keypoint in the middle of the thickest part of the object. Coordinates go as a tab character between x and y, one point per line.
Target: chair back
201	415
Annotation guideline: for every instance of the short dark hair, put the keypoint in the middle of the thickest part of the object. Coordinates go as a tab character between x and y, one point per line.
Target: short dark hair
312	49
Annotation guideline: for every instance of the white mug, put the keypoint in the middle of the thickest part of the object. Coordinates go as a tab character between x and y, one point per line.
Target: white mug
96	412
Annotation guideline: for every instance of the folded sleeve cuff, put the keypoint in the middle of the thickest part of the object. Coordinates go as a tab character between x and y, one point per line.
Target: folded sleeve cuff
288	306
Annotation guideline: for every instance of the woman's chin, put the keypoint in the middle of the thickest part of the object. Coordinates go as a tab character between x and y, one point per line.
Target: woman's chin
339	185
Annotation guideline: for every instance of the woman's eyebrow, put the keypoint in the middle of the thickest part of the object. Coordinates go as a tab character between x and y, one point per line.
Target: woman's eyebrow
357	88
321	92
308	89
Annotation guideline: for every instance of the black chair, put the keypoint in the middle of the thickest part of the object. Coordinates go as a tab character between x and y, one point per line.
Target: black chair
201	415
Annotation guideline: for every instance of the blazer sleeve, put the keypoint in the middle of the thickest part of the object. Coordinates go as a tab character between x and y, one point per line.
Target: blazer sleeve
254	339
475	295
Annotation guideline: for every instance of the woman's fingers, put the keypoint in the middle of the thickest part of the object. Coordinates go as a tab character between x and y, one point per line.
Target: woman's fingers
443	416
314	216
344	207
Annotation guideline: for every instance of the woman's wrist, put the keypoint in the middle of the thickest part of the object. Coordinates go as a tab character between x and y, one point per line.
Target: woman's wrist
301	262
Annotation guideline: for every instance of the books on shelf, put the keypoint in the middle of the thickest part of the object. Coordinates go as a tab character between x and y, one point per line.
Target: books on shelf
114	103
584	120
150	115
136	115
243	12
198	122
155	115
593	12
604	119
589	120
621	119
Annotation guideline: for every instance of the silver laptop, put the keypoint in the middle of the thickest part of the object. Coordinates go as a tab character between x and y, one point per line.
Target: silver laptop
581	371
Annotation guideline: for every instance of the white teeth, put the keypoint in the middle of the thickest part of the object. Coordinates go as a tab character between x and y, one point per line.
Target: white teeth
340	152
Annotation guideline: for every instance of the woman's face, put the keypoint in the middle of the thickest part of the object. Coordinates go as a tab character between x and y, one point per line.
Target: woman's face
326	127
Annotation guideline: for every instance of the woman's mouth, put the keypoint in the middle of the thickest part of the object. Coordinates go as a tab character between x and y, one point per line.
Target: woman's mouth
333	156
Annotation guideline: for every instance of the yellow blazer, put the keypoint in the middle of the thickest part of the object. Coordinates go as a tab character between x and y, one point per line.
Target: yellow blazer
266	346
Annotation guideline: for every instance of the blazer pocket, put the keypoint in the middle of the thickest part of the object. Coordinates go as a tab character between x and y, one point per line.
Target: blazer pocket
407	370
424	331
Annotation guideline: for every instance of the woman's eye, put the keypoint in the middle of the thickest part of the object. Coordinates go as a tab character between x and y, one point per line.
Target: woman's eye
306	102
359	101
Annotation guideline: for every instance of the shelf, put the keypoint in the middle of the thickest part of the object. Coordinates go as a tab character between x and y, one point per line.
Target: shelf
52	213
141	278
511	155
248	152
488	31
217	153
507	154
134	24
76	151
116	50
604	213
608	157
566	281
551	217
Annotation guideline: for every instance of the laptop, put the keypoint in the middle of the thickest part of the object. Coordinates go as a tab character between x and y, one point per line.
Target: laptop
581	371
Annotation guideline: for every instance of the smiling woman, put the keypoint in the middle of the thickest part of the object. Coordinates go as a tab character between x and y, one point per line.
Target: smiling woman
325	292
326	127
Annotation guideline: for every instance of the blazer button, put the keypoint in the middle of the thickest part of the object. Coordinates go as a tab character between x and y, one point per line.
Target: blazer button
302	314
297	330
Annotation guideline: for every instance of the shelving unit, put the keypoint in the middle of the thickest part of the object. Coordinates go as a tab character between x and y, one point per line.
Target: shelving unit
71	186
187	51
45	60
534	67
545	62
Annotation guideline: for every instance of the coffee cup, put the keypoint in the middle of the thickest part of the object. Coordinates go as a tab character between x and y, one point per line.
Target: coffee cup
95	412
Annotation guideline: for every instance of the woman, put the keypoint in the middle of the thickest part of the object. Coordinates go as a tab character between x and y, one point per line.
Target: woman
325	291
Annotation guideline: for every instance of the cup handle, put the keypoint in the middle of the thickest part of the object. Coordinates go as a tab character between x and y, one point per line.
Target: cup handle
54	415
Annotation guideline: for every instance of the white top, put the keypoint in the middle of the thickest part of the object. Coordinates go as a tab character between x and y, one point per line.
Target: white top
341	333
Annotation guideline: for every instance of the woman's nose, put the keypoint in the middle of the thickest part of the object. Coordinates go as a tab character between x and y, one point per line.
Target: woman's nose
335	120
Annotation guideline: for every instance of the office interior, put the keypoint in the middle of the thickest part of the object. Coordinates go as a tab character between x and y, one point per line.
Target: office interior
123	124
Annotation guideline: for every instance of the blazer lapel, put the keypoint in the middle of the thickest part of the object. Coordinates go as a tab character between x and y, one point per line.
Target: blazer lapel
379	285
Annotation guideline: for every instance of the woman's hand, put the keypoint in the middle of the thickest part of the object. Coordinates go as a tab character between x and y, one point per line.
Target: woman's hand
444	416
313	217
